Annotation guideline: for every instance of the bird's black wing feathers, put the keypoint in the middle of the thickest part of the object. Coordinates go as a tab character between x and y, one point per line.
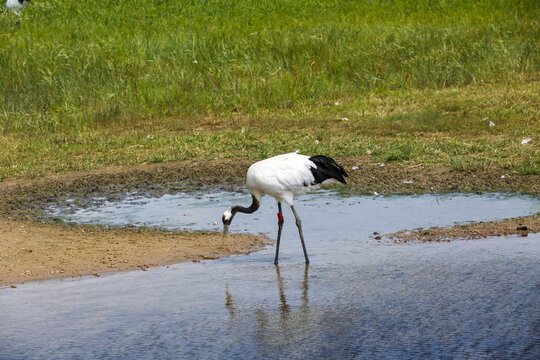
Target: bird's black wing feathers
327	168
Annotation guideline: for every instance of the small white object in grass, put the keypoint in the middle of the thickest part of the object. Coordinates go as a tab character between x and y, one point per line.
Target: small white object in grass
407	181
316	141
337	103
375	193
502	176
148	137
454	90
243	130
368	152
276	71
195	62
524	141
491	123
437	152
382	165
16	6
345	119
354	168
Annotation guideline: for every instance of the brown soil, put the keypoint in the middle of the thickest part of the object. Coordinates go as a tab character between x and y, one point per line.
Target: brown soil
518	226
33	251
59	250
25	197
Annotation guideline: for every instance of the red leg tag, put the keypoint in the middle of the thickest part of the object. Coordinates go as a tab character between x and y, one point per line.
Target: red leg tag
280	216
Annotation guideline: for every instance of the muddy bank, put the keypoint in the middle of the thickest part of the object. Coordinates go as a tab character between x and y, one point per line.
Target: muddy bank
508	227
26	197
34	250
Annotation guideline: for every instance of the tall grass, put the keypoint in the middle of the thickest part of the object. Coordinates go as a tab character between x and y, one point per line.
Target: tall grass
77	64
84	83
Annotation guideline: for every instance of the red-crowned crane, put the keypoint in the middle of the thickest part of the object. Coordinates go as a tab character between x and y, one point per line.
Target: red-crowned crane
282	177
16	6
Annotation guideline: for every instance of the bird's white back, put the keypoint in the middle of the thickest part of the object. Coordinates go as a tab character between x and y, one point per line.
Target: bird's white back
281	176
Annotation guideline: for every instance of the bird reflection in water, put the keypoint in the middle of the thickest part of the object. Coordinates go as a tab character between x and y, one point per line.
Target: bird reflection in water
281	324
229	302
288	315
284	307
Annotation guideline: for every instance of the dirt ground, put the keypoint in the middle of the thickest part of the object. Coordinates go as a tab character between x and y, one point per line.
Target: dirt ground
518	226
36	249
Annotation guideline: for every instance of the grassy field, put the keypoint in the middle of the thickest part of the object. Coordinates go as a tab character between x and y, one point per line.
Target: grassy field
86	84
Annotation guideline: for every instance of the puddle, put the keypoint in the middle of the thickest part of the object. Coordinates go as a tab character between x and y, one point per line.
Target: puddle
351	216
357	299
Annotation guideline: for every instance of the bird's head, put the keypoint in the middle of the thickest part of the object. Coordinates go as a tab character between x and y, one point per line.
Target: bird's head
227	217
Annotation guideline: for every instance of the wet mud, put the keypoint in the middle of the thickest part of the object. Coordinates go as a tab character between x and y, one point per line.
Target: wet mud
509	227
24	197
22	203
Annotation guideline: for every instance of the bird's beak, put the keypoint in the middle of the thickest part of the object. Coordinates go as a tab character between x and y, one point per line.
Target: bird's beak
225	232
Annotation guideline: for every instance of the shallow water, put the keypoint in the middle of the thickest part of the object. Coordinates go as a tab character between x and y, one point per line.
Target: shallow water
357	299
337	215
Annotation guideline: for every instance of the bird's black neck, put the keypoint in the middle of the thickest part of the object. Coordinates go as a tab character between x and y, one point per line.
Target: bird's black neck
247	210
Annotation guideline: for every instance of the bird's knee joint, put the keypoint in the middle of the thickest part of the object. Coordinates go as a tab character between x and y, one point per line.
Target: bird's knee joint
298	222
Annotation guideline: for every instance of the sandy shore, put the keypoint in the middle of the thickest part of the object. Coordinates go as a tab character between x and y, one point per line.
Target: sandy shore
34	250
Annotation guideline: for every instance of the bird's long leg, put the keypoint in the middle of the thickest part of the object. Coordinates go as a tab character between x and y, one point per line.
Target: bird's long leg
280	226
299	225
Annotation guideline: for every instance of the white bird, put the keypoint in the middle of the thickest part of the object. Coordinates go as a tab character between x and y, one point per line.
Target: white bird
16	6
282	177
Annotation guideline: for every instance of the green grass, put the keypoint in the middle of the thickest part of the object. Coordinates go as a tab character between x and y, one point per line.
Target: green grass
83	83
